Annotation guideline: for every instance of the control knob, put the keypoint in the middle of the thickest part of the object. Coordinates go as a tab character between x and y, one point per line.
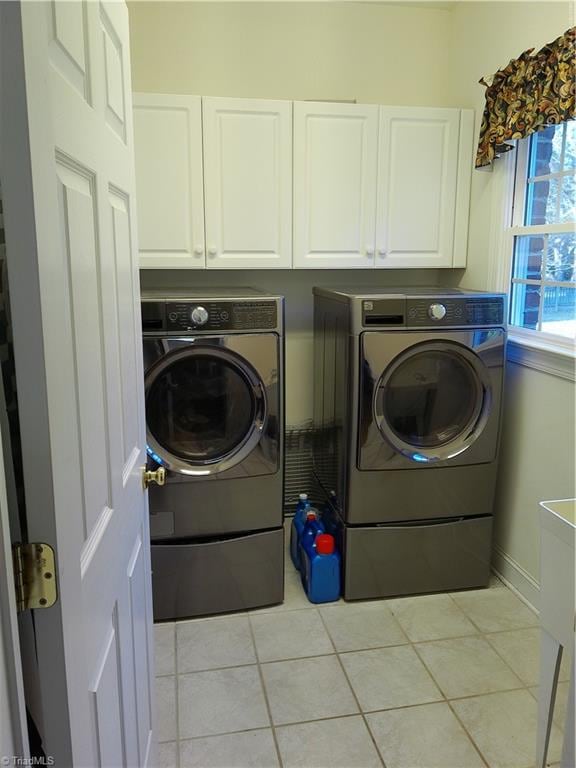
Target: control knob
436	311
199	316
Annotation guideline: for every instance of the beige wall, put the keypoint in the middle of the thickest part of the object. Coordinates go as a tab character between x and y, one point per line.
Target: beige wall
368	52
537	459
536	463
394	54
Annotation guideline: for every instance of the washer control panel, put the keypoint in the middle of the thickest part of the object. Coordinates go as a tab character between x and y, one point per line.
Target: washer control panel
209	316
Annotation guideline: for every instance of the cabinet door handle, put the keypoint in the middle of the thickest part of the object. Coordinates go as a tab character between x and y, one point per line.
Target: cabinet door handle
381	252
199	250
212	252
369	251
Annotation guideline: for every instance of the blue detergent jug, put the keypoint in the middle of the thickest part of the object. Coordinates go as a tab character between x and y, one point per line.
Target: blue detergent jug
312	527
298	522
321	570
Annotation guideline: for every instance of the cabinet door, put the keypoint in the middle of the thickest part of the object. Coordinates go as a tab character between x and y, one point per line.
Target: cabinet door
417	176
335	153
248	183
170	198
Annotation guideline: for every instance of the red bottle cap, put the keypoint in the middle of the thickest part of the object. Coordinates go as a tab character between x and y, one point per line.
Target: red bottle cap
324	544
311	516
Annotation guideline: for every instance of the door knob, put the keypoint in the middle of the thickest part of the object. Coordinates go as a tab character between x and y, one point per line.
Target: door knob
369	251
213	252
198	251
149	476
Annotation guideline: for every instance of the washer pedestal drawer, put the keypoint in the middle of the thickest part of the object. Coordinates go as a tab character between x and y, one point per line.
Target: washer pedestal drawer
234	573
438	556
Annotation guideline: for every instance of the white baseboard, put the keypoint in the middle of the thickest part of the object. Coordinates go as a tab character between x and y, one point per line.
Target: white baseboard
516	578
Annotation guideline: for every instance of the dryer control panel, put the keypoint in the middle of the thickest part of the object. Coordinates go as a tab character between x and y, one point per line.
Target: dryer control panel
209	316
433	311
455	311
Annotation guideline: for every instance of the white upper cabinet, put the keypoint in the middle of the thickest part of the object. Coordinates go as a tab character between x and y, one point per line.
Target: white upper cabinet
418	164
335	163
168	148
227	183
248	183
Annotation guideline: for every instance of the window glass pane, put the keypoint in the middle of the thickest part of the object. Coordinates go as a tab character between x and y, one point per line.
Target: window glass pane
546	151
559	311
525	305
528	257
568	199
541	200
570	150
560	257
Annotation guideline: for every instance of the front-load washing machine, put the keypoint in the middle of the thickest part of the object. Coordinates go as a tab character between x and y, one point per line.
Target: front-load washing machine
408	394
214	392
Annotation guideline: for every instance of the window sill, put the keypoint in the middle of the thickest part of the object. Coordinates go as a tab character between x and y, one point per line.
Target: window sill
554	359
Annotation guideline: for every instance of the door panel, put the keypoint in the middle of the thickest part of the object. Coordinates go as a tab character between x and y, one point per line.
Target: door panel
335	152
248	183
69	194
82	261
128	340
168	145
68	44
106	702
417	177
114	79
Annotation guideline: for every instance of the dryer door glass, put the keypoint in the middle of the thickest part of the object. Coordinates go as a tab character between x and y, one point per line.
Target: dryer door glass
202	408
429	401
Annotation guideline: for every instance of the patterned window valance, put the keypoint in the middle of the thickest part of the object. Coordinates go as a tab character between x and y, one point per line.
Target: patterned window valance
533	91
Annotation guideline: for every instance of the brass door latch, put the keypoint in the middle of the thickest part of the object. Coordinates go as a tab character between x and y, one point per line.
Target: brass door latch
149	476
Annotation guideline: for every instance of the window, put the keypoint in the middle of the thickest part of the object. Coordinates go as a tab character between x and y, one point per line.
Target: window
543	280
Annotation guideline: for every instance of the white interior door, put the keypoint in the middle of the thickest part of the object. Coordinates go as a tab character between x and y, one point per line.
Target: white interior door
335	155
248	183
168	149
66	161
417	178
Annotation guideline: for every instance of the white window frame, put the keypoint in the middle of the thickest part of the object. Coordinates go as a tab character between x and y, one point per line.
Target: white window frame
535	349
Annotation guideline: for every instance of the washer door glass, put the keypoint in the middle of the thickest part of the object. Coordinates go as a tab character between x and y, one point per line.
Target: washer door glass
203	407
431	402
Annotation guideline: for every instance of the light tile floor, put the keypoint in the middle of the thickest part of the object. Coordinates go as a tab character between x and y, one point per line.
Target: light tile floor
439	681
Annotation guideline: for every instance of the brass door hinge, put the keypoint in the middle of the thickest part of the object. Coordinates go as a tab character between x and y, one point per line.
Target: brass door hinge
34	576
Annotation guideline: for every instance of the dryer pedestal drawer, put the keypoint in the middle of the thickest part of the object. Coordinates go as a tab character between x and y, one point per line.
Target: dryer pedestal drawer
383	561
218	575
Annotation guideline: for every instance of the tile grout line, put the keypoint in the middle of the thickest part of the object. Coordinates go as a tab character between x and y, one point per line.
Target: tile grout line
265	694
350	686
491	647
447	700
177	695
467	732
363	650
487	591
497	652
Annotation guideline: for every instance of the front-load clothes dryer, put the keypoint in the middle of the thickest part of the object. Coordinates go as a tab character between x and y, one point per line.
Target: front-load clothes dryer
214	393
407	413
